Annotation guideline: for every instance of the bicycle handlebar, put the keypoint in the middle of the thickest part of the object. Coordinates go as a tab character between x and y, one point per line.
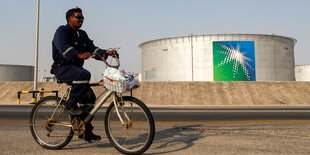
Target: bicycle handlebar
114	54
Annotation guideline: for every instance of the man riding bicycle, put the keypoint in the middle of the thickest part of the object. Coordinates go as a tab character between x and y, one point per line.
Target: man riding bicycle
71	46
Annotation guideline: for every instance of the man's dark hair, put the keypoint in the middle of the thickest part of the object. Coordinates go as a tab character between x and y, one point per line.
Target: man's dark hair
72	11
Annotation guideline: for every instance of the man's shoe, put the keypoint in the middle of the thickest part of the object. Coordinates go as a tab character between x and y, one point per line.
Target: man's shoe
90	136
73	110
81	136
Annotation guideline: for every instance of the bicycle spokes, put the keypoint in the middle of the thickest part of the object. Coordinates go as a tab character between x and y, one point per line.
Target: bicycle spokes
50	132
129	126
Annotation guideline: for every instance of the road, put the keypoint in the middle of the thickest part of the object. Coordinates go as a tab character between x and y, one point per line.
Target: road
200	114
197	130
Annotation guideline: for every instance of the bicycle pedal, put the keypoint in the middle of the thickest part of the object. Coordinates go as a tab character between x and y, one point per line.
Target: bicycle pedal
78	127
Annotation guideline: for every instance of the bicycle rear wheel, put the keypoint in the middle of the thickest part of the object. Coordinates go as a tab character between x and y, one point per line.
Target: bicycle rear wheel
50	133
137	135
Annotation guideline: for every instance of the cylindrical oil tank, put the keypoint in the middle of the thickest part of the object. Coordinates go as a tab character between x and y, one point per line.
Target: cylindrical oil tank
302	72
16	73
219	57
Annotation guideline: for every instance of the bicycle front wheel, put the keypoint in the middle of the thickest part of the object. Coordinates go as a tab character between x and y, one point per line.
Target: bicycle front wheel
49	125
136	135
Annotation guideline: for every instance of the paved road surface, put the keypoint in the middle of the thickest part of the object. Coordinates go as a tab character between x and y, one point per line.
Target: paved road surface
202	114
183	131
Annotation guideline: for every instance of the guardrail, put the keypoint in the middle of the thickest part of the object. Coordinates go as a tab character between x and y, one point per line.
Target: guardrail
34	94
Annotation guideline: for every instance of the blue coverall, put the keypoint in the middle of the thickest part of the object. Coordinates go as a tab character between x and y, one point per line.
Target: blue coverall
68	68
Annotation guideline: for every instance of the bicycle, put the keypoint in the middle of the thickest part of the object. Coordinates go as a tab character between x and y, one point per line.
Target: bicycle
128	122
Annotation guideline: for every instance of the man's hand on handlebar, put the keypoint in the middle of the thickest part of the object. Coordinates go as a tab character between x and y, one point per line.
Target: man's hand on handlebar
104	54
113	53
110	52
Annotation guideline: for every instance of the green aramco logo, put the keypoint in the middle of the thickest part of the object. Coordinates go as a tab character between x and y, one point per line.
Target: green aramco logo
234	61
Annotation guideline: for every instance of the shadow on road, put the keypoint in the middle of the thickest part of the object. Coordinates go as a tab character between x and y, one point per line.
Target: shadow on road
81	144
170	140
176	139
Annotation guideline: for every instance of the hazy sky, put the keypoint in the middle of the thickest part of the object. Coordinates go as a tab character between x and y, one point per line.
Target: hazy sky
127	23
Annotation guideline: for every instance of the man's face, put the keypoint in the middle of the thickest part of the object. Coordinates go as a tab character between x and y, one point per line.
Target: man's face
76	20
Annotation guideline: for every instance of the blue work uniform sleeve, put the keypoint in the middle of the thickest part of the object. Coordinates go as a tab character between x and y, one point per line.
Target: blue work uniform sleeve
102	53
95	50
62	43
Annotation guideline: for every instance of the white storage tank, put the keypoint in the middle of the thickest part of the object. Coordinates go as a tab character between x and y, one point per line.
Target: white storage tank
219	57
16	72
302	72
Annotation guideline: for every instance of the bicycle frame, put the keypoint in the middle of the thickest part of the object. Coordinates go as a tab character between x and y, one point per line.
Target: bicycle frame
99	102
63	98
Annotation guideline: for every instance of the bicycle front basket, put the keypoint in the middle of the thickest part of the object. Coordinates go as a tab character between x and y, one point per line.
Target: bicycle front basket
117	86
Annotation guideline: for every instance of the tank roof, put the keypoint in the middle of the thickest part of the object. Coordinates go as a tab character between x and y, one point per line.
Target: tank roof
269	35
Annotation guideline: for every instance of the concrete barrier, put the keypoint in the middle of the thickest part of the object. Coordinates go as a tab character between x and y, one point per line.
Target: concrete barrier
190	93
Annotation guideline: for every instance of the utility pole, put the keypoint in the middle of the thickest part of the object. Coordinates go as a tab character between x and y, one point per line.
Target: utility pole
36	48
